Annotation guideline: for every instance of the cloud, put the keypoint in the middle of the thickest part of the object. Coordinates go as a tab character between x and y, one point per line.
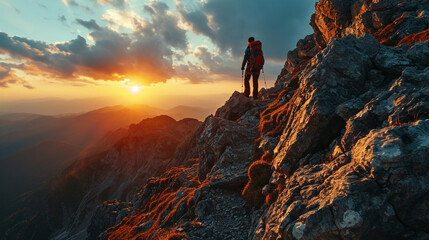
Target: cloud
156	48
116	3
42	5
113	56
68	3
122	19
8	76
62	18
73	3
216	63
193	72
10	6
166	24
279	23
90	25
145	55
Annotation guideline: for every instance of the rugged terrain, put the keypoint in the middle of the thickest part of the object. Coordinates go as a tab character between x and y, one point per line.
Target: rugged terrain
66	206
337	149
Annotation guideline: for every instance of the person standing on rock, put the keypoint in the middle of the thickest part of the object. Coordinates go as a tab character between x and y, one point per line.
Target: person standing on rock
254	58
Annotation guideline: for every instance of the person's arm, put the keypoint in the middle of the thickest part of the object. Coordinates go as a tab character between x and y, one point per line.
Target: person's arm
245	58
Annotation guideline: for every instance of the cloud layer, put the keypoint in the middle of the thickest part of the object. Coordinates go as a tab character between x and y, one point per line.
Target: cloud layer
145	55
278	23
150	50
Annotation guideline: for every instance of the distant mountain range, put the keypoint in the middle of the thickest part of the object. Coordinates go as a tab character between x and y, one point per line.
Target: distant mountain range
34	148
19	131
102	172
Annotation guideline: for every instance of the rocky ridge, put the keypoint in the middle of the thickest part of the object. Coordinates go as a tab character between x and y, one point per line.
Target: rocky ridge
344	132
345	126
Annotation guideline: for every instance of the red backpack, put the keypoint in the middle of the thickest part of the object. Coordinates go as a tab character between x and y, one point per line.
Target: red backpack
256	60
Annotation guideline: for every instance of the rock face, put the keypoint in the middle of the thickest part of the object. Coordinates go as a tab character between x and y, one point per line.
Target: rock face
390	21
338	147
201	198
107	215
346	125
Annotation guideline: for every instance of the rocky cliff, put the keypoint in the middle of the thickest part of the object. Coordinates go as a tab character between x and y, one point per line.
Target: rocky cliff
337	149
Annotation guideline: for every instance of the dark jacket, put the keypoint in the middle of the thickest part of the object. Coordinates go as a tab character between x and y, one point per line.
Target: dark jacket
246	57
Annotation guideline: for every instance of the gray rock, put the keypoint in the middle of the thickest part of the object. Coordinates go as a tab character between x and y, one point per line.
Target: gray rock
235	107
204	208
107	215
419	53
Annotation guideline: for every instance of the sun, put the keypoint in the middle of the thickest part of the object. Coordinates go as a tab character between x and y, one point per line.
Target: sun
135	89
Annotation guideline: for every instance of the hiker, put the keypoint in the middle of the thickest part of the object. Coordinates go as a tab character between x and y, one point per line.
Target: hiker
254	58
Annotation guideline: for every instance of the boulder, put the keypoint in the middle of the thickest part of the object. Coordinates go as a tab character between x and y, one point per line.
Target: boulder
107	215
235	107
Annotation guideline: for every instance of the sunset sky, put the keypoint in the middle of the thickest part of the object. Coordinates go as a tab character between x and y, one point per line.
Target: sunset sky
159	53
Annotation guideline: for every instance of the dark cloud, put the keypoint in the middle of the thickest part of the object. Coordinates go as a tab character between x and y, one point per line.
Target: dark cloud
73	3
165	24
278	23
145	55
21	47
157	49
90	25
145	58
198	20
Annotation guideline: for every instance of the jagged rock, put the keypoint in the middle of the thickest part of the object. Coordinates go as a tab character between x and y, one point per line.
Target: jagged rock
327	82
305	49
419	54
331	17
204	208
347	124
375	179
392	61
210	187
235	107
225	149
389	21
107	215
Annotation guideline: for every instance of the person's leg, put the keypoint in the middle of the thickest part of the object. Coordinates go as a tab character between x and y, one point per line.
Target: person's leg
255	85
246	83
